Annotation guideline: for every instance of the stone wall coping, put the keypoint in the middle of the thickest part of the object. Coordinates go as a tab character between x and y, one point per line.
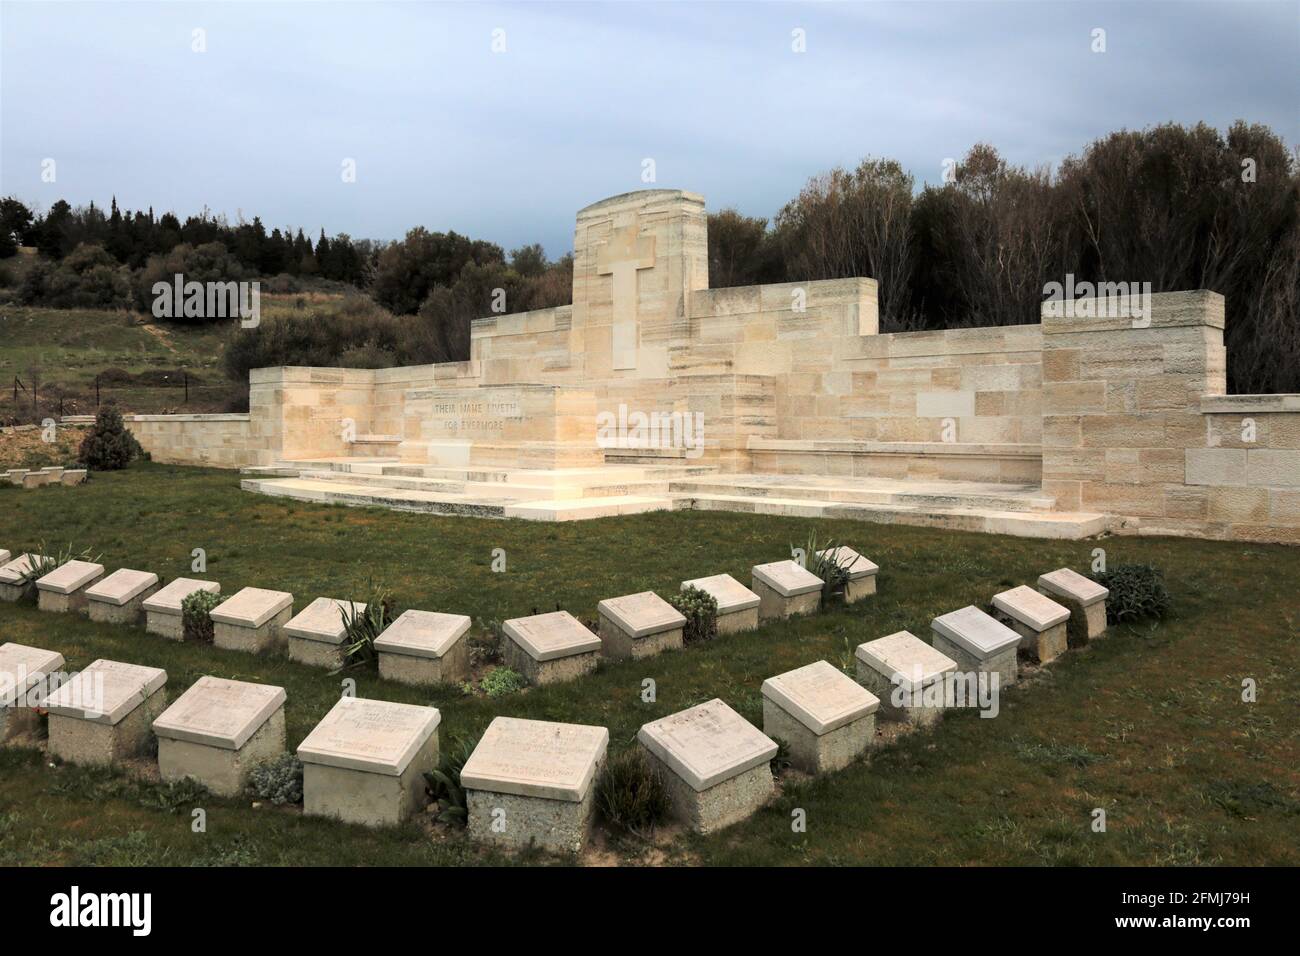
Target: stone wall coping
854	447
1195	308
1239	404
195	417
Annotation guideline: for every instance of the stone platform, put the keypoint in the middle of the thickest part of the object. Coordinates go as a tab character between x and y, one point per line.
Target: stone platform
621	488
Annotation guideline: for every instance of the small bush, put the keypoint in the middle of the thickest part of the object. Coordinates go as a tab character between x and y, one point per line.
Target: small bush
502	681
700	608
444	783
631	793
278	780
108	445
1136	591
196	620
831	567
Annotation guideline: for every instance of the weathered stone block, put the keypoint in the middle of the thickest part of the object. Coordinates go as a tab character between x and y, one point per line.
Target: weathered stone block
549	648
105	713
1085	599
218	730
1040	622
826	719
533	783
365	761
785	589
862	573
906	675
977	642
12	573
252	620
64	589
119	598
638	625
715	764
737	604
25	674
424	648
316	634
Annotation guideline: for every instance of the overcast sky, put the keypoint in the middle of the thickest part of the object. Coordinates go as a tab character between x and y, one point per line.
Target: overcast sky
447	134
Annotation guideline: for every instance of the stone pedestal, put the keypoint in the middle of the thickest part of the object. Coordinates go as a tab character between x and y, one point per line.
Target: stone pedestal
862	573
365	761
24	676
1085	599
218	730
549	648
64	589
12	587
119	598
638	625
908	675
424	648
316	634
714	764
826	719
105	713
978	643
162	609
533	783
1038	620
785	589
252	620
737	604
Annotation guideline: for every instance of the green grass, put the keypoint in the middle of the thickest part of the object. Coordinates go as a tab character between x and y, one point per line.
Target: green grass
1147	724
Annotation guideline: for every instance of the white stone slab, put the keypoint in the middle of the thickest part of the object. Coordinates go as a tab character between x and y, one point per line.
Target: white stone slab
1073	586
322	620
167	599
375	736
422	634
13	571
730	594
642	614
820	697
22	667
106	691
858	566
787	578
905	660
71	577
122	586
5	556
1029	607
979	633
536	758
219	713
251	607
549	636
708	744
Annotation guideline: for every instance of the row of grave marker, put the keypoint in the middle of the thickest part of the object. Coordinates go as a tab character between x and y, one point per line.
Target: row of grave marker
39	477
424	648
532	782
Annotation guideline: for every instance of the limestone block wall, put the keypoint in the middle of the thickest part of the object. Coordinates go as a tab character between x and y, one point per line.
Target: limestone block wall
220	441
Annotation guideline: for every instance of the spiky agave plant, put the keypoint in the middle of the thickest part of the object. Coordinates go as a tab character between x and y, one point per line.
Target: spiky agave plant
443	782
825	560
362	626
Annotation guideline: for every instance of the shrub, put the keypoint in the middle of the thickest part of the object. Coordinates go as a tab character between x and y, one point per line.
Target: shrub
502	681
631	793
361	628
700	608
278	780
1136	591
108	445
831	567
196	620
444	783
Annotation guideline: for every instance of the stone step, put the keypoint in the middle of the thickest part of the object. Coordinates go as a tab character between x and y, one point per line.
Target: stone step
580	509
869	492
330	492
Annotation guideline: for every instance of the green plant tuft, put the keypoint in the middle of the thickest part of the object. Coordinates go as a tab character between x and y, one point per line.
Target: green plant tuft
502	681
444	784
700	608
196	616
631	793
830	566
1136	591
278	780
362	627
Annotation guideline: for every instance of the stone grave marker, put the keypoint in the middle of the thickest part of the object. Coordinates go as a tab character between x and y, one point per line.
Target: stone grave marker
64	589
825	717
425	648
24	674
119	597
162	609
1038	620
639	625
905	665
1086	600
548	648
977	642
862	572
316	633
784	589
737	604
106	712
252	620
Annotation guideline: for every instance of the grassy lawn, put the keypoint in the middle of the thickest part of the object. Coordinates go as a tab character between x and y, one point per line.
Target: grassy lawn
1148	724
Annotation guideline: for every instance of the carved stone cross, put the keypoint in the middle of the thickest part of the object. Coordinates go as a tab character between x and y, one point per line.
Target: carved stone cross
625	254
